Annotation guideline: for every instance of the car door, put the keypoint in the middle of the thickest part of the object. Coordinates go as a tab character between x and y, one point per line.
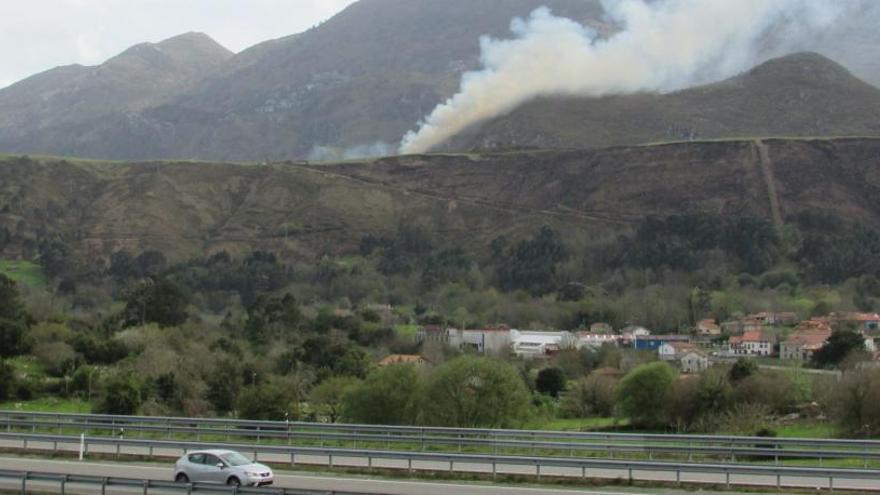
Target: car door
194	467
212	472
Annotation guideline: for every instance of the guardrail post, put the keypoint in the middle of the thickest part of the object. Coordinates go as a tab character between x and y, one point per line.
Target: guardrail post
778	481
292	459
103	486
370	463
146	487
63	485
831	483
330	457
409	466
494	470
678	477
538	465
189	488
24	484
258	433
727	479
630	470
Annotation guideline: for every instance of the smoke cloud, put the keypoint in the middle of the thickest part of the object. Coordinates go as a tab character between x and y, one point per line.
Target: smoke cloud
659	46
333	154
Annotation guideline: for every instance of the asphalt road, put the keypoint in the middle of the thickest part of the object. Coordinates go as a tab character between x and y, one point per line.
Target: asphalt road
486	469
307	482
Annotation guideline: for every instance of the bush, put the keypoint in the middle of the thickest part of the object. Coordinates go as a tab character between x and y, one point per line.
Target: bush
642	395
471	392
550	381
266	402
58	358
857	403
388	396
11	338
590	396
122	396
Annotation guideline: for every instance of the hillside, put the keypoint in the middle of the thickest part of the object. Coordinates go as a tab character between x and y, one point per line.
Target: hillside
70	108
301	211
797	95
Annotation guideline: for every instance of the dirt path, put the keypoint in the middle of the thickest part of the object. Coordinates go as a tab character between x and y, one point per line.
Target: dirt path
770	179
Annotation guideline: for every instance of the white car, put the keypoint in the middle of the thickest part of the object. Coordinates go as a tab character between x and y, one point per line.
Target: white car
221	466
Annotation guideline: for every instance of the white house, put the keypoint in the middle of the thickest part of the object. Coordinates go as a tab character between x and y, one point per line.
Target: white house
596	340
541	344
674	351
694	361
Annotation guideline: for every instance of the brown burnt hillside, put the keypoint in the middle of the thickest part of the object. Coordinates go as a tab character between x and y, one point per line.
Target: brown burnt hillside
300	210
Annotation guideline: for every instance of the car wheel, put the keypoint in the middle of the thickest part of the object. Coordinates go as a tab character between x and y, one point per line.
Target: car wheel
233	481
181	478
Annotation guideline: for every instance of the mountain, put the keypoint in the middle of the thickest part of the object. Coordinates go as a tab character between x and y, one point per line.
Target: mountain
68	108
304	211
364	77
797	95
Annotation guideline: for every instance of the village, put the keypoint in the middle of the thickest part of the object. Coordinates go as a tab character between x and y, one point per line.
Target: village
781	339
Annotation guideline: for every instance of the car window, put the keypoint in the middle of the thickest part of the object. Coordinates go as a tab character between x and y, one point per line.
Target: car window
197	458
236	459
211	460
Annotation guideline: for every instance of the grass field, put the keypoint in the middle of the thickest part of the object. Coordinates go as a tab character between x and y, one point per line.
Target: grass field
49	404
25	273
406	330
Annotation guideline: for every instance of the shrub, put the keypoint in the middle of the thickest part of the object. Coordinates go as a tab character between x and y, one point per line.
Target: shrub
550	381
590	396
642	395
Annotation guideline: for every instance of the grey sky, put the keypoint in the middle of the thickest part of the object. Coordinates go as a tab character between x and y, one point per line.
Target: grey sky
36	35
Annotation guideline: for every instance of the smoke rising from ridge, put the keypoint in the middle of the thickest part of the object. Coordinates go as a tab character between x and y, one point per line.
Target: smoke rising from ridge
660	46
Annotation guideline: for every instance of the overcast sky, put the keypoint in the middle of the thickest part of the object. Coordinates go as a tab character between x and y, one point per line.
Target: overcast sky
36	35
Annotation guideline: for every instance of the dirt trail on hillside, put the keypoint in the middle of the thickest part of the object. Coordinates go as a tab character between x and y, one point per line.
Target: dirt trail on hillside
569	214
770	179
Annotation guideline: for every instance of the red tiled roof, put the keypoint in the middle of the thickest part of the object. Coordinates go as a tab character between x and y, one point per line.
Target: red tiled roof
811	339
401	359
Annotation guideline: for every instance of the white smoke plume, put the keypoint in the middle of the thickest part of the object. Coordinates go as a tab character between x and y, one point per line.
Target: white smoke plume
659	46
363	151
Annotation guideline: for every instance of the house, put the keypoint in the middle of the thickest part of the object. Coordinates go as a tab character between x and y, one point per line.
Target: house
489	340
708	328
808	337
694	361
601	328
635	331
740	327
495	340
673	351
393	359
774	319
752	343
596	340
653	342
864	322
536	345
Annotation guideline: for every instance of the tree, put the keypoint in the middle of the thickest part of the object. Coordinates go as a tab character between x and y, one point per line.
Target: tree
471	392
11	338
156	301
840	345
7	381
550	381
590	396
327	398
531	264
122	396
742	369
642	394
11	307
857	403
389	395
266	402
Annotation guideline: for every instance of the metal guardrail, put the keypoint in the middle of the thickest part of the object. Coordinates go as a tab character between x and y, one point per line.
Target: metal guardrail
147	486
780	473
563	442
270	428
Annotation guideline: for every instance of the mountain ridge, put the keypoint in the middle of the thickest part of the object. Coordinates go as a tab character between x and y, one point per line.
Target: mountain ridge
802	94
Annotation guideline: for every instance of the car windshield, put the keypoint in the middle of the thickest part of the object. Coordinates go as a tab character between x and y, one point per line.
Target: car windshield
236	459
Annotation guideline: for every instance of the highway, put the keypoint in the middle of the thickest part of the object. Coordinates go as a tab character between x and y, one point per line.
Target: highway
314	481
706	476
